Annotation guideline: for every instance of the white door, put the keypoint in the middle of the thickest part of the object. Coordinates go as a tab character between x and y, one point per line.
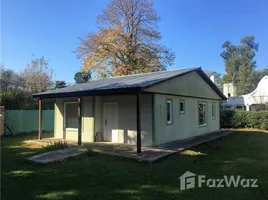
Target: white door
110	122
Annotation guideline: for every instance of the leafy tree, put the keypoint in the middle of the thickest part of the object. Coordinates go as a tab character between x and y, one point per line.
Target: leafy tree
15	93
38	75
11	80
60	84
239	63
126	42
82	77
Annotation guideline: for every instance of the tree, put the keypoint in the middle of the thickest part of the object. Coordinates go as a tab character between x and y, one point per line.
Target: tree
11	80
239	63
38	75
126	42
82	77
17	88
60	84
13	94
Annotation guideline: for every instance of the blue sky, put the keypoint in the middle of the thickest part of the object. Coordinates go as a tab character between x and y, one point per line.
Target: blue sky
193	29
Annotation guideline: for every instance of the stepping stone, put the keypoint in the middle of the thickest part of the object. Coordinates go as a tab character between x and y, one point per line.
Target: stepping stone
56	155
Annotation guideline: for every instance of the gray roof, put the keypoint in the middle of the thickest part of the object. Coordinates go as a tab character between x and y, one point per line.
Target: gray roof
137	81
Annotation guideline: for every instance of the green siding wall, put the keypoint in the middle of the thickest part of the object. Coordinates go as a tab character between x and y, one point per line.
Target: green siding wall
21	121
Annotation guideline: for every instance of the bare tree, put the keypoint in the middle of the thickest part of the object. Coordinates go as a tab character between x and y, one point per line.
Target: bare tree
38	75
127	41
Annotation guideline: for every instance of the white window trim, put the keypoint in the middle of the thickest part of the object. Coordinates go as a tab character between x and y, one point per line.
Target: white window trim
213	110
64	119
183	101
204	103
169	101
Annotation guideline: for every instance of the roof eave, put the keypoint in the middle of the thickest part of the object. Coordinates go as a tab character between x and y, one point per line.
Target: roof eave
117	91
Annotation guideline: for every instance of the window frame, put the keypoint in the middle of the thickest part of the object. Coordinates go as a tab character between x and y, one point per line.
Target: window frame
182	101
169	101
213	110
205	110
64	119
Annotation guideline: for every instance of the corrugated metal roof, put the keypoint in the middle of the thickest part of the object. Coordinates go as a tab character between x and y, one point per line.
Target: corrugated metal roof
120	82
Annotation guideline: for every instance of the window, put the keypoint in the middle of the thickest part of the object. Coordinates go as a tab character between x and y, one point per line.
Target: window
169	111
202	117
213	110
71	117
240	107
182	106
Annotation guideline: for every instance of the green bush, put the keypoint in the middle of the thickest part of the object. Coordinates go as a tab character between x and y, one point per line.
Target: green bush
51	146
244	119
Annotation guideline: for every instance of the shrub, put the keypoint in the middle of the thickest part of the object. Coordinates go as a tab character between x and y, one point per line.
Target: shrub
56	145
90	152
244	119
264	124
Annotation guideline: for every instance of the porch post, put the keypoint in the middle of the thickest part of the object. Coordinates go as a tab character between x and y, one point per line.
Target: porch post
40	119
138	124
79	120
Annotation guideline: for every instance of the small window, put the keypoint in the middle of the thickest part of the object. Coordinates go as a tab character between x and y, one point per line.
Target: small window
202	116
182	106
71	117
213	110
169	111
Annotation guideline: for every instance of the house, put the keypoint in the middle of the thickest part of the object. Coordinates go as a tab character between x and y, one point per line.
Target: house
144	109
256	100
215	78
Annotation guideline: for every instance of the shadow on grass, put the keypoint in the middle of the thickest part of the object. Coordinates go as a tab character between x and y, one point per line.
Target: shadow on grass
106	177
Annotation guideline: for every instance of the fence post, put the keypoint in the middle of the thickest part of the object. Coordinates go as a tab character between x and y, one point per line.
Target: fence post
2	119
40	119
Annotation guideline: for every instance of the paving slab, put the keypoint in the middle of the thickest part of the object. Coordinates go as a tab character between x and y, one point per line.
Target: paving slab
148	154
56	155
180	145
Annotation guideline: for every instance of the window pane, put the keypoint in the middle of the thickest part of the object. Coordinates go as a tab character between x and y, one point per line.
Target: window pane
213	110
71	119
204	114
182	106
201	113
169	111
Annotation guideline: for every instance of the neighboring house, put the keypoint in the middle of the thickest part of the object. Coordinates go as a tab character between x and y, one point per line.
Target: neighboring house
144	109
229	90
256	100
215	79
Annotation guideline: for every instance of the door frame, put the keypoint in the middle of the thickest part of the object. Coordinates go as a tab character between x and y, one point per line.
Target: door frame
103	120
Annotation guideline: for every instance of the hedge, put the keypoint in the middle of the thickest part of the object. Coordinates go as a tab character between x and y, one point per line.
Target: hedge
244	119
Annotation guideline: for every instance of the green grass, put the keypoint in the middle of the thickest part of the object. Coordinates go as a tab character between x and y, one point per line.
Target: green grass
94	176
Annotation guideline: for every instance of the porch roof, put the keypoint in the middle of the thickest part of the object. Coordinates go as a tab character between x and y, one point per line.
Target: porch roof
124	84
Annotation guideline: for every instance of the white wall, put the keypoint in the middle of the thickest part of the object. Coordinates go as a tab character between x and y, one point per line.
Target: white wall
190	84
184	125
191	88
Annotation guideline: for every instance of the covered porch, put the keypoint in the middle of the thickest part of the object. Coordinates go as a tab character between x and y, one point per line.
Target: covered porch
103	118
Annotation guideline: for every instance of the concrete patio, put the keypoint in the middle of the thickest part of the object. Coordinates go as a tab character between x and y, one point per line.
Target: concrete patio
149	154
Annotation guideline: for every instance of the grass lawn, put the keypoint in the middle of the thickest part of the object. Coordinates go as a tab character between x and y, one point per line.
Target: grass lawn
94	176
